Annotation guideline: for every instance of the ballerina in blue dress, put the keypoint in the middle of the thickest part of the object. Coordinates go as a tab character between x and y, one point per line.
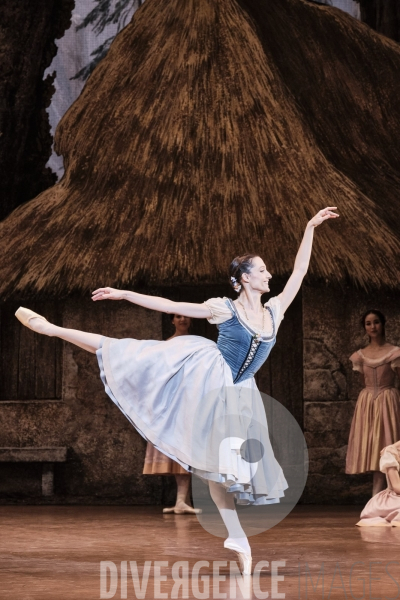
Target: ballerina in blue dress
176	393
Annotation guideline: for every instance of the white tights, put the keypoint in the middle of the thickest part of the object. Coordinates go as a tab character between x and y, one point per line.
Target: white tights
226	506
83	339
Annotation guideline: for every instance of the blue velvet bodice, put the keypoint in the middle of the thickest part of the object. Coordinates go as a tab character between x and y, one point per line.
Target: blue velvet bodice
243	350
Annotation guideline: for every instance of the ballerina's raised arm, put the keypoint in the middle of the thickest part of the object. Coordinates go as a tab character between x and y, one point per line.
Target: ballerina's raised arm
303	257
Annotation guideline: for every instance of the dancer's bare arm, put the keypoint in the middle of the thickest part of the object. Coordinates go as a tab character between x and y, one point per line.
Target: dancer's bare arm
394	479
186	309
396	445
303	256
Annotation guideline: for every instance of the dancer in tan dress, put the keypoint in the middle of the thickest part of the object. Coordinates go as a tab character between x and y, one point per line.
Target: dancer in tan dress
376	420
157	463
383	510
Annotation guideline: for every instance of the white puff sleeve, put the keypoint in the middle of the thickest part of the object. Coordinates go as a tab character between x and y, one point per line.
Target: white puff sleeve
390	458
220	311
276	307
395	362
357	362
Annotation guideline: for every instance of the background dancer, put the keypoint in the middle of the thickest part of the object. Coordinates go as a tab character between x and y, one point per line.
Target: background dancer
383	510
161	386
157	463
376	420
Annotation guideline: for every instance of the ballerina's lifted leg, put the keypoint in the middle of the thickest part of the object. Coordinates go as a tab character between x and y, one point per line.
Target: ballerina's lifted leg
83	339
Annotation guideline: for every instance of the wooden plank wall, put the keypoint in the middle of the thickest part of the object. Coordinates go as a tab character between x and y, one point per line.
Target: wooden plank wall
282	375
31	365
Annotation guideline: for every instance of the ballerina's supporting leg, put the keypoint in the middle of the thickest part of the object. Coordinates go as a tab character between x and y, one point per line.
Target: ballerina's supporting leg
225	503
83	339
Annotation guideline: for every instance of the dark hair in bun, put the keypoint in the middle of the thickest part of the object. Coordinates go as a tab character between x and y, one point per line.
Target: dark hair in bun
240	265
380	316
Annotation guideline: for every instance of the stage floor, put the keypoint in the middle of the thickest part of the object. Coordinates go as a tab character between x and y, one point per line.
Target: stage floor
59	552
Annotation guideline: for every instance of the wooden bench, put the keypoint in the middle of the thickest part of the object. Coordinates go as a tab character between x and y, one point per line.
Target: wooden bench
47	456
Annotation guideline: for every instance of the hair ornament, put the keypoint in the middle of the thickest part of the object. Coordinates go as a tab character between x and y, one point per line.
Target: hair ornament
235	284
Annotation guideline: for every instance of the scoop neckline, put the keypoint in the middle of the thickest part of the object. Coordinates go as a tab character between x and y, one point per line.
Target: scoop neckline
254	333
381	357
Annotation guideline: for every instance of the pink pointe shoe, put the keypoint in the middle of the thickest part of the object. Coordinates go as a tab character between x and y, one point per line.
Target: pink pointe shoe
245	559
25	315
182	511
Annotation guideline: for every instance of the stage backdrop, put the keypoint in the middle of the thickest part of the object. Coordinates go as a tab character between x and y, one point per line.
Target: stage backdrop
118	216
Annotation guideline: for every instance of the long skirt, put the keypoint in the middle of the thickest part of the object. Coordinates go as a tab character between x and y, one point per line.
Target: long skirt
383	509
157	463
375	425
180	396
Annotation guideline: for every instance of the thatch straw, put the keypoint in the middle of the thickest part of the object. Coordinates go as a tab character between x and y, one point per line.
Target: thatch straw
212	128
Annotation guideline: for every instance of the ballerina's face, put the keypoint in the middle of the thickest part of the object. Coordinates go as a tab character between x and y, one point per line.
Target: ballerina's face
258	278
373	326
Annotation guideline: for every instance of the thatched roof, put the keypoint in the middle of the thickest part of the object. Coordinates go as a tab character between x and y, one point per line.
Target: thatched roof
216	127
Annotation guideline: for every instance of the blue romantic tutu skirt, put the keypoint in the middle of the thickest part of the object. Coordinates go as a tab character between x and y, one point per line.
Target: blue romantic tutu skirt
180	396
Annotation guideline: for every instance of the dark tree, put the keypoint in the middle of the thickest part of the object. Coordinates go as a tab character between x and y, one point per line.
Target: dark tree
27	33
383	16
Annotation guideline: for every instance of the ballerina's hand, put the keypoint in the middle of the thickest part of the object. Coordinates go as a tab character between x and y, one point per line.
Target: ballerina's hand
107	293
322	215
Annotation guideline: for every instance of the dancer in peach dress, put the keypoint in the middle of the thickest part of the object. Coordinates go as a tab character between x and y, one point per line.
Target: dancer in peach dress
376	420
157	463
383	510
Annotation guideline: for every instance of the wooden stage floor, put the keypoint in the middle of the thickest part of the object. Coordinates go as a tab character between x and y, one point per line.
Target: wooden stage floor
55	553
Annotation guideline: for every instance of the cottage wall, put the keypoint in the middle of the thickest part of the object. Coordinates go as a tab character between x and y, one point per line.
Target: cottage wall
308	371
105	454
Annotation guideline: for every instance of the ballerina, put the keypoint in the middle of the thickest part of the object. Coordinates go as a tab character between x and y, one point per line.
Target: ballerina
376	419
173	392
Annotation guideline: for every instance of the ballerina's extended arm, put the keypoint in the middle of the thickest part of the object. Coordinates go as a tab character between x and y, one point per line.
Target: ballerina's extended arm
200	311
303	257
187	309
